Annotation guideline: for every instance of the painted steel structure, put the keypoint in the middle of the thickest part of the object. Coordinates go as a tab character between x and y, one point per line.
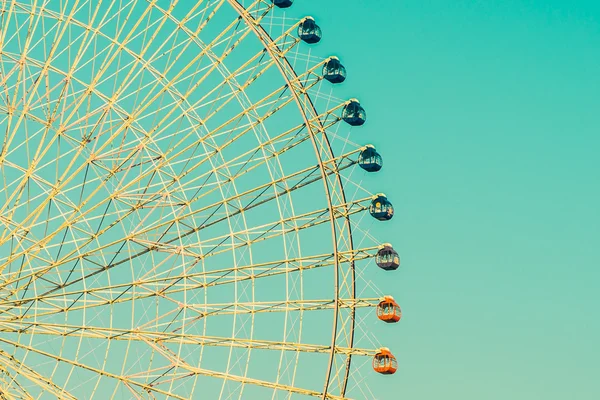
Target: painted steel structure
130	207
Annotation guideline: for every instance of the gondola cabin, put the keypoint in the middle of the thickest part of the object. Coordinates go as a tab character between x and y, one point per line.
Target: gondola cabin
388	310
381	209
334	71
387	258
309	31
283	3
370	160
353	113
384	362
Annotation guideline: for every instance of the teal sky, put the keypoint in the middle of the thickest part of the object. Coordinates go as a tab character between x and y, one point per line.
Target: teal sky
487	116
488	111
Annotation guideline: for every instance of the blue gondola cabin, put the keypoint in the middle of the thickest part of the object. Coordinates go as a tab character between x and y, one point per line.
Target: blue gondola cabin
369	159
381	209
387	258
354	114
309	31
283	3
334	71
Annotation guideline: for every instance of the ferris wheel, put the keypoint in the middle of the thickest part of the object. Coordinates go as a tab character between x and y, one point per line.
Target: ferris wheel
179	216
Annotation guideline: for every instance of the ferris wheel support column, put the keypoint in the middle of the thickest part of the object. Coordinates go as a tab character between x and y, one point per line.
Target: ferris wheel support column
299	93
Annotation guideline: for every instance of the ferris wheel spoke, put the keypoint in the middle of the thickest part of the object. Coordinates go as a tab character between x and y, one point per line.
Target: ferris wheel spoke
129	156
22	370
215	131
203	311
100	372
251	74
249	164
248	161
12	388
168	337
285	225
259	196
328	118
284	44
171	356
253	202
257	234
201	278
287	306
176	361
263	232
163	287
33	25
121	45
142	108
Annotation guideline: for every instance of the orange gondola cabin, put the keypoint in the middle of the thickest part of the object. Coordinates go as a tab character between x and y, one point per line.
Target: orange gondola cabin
388	310
384	362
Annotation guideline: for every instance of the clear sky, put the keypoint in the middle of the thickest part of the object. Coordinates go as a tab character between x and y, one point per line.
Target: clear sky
489	114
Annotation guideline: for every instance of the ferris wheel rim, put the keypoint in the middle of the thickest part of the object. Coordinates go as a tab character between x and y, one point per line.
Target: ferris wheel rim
330	176
291	80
